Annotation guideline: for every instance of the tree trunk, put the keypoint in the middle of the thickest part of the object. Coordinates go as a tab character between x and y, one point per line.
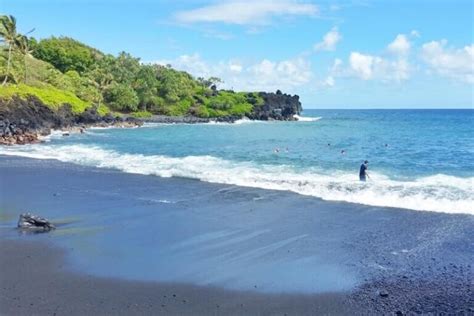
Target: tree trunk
24	61
8	64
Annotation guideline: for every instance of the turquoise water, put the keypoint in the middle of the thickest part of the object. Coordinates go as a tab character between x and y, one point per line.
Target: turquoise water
418	159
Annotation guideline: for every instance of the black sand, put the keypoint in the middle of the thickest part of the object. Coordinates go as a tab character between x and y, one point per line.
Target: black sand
390	260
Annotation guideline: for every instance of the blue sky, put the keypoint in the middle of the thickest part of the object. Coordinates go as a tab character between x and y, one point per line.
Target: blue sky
334	54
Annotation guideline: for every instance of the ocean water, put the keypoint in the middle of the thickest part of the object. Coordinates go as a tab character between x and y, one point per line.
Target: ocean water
418	159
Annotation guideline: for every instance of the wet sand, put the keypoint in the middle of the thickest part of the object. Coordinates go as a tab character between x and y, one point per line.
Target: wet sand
34	280
125	244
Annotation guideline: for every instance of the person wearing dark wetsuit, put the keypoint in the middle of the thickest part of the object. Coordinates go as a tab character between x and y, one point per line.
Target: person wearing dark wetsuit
363	171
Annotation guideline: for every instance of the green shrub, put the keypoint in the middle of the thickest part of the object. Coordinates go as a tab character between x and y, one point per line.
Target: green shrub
141	114
103	110
49	95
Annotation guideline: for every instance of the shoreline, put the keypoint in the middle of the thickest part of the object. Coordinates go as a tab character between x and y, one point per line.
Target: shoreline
422	260
10	135
35	281
24	120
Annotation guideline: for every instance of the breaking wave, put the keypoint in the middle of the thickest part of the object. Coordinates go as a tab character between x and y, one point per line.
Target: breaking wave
439	193
306	119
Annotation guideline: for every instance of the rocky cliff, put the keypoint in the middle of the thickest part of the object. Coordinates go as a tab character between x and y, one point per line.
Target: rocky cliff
277	106
24	121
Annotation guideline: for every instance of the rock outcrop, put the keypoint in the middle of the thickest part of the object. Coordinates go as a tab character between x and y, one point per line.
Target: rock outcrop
277	106
24	121
33	223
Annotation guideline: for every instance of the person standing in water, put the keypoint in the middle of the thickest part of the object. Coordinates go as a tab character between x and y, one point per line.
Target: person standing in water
363	171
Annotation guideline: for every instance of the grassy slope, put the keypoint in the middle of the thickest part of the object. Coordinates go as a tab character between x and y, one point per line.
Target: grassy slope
49	95
37	73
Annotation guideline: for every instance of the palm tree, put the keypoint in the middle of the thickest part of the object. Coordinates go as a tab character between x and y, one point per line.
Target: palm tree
10	37
23	46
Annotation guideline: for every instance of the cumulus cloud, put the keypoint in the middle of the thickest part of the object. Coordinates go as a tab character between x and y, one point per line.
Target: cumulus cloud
455	63
363	65
243	12
388	68
264	75
329	41
400	45
235	67
369	67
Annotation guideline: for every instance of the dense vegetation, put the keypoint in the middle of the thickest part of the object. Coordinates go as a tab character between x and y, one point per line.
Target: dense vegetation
61	70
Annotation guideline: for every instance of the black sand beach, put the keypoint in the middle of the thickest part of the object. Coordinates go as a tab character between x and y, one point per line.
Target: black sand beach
134	244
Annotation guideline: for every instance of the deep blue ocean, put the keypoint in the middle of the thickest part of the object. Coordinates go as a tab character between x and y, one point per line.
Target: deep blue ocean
418	159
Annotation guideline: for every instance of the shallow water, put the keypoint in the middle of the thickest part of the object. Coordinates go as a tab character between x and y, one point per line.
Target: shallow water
419	159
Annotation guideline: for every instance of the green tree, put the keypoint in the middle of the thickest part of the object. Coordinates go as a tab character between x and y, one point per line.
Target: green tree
175	85
100	74
125	68
146	87
66	54
121	97
25	50
83	87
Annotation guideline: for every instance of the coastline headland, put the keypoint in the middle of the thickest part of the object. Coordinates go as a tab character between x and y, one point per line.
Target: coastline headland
24	121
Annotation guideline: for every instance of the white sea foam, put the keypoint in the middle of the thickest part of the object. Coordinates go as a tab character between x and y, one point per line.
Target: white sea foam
247	121
440	193
102	127
53	135
237	122
211	122
306	119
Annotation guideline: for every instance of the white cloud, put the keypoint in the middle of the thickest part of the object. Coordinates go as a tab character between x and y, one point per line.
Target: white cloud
415	33
388	68
400	45
363	65
243	12
265	75
329	41
335	70
336	65
190	63
370	67
455	63
235	67
328	82
286	74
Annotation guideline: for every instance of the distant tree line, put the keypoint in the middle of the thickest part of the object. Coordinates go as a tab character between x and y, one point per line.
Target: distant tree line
121	83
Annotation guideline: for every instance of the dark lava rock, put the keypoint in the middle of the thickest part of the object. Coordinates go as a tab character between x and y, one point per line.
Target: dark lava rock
28	221
23	121
383	293
277	106
89	116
